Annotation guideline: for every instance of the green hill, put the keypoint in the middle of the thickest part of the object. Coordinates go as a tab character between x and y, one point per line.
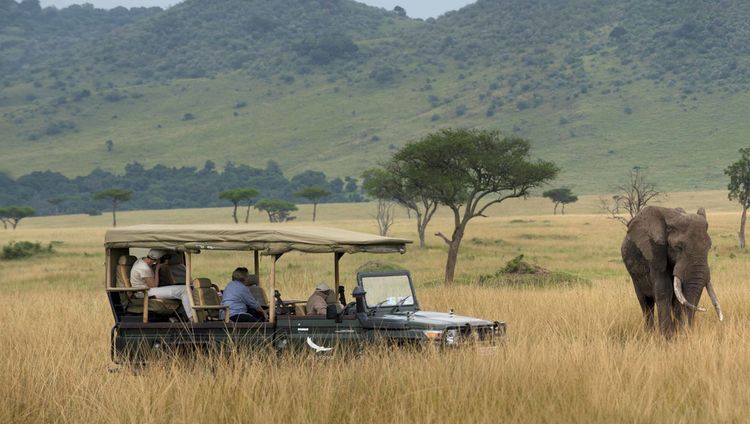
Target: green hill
599	86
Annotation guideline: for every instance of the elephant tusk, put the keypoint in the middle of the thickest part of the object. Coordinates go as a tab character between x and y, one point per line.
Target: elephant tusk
681	297
714	300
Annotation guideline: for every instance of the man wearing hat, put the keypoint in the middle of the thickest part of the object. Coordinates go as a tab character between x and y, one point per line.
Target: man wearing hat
316	304
143	276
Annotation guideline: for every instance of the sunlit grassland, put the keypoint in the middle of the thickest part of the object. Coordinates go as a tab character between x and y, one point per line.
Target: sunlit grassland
573	354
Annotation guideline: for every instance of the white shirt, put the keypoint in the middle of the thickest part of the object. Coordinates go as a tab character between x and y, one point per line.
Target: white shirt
138	274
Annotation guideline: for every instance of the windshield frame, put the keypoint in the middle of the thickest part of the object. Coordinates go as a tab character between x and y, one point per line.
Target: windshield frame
406	306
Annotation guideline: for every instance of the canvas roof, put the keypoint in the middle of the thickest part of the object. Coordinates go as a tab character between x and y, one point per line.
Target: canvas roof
269	239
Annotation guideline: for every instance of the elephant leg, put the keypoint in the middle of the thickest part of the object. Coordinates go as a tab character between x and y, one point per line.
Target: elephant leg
647	307
663	295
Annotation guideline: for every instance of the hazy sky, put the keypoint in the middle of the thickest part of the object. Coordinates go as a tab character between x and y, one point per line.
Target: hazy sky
414	8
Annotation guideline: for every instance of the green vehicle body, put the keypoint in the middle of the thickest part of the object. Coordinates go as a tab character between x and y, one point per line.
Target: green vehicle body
390	313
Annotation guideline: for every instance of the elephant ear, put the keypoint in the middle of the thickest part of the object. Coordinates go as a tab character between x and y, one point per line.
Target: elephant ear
648	230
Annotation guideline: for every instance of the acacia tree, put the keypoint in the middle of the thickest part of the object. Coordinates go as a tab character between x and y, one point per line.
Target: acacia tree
14	214
468	171
278	210
631	197
116	196
739	188
237	195
313	194
390	184
560	196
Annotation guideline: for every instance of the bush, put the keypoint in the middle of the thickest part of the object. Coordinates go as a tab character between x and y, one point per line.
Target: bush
25	249
519	273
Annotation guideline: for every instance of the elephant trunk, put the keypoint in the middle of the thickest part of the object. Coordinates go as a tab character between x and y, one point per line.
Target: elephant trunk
681	297
714	300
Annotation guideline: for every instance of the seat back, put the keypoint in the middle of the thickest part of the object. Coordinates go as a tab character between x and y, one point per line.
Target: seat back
259	294
124	265
205	294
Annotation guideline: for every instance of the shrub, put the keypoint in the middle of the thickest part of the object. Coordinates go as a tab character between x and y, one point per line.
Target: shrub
519	273
25	249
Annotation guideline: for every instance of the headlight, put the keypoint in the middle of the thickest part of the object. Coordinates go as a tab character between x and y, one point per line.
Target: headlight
433	335
451	337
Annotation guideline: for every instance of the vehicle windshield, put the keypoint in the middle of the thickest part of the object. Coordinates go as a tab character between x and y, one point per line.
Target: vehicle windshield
388	290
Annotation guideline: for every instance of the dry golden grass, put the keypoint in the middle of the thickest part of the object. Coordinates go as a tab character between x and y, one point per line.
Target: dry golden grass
575	354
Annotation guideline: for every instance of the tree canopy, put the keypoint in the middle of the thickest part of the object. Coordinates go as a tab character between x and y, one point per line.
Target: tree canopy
116	196
469	170
390	184
560	196
237	195
162	187
739	187
313	194
278	210
14	214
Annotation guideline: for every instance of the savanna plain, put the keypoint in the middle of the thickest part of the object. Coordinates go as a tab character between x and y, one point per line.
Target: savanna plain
574	353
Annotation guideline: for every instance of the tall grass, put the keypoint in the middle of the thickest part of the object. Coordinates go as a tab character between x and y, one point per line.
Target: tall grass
573	354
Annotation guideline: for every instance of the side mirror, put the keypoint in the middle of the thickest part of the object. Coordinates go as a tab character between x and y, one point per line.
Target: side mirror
359	297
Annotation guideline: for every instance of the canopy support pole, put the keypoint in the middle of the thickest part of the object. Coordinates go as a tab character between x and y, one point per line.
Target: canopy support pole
336	279
256	262
108	276
188	279
272	308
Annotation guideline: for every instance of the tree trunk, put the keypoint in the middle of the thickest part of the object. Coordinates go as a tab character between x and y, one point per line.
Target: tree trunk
453	246
421	226
14	223
5	224
114	214
234	214
247	215
315	210
741	233
563	209
555	212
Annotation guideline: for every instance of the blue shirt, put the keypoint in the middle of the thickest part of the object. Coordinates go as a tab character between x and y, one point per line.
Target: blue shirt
239	299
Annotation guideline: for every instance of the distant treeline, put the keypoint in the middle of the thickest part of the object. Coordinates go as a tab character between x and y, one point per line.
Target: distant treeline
162	187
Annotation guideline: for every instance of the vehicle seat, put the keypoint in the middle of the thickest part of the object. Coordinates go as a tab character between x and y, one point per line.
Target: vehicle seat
260	295
205	294
133	302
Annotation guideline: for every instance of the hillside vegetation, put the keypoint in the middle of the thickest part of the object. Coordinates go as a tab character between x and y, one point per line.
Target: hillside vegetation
334	85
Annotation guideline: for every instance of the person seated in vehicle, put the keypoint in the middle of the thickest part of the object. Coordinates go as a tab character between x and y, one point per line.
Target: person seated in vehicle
243	306
317	303
143	276
171	270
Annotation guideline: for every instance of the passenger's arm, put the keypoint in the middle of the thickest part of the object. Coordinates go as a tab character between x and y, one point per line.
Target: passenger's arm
151	282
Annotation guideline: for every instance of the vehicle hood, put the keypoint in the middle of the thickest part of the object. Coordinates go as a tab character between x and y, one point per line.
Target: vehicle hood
430	319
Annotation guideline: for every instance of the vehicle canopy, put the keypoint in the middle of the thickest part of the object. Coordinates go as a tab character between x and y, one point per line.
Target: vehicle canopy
267	239
271	240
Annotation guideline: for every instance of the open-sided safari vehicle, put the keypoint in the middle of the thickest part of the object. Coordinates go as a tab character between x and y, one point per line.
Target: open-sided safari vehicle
383	306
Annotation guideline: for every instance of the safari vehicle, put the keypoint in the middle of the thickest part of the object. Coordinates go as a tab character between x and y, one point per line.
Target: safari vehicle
383	307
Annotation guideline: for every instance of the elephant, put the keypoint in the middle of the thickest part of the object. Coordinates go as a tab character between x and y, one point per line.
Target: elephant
666	254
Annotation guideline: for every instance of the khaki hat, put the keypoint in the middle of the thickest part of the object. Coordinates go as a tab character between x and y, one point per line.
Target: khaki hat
322	287
155	254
